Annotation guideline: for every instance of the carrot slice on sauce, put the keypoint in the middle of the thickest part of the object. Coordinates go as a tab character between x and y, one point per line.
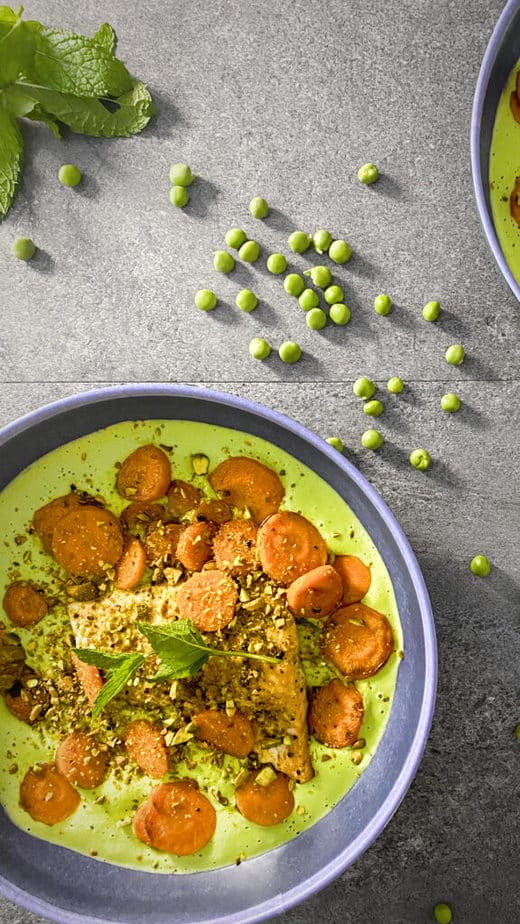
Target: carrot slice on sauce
233	734
176	818
356	577
89	677
316	593
87	541
208	598
248	484
46	795
195	545
161	542
136	518
234	546
288	545
514	201
145	745
81	761
267	804
182	497
28	698
24	605
47	517
131	566
145	474
336	714
357	640
514	102
215	510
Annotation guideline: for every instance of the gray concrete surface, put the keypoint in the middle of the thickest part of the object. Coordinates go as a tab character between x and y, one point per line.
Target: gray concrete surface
286	101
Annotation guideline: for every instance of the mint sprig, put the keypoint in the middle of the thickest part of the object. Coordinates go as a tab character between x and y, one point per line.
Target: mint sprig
119	669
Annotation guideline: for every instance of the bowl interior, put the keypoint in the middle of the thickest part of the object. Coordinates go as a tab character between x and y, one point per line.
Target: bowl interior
67	886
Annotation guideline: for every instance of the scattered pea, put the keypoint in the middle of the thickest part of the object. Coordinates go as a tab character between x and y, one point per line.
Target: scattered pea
431	311
420	459
322	240
259	207
442	913
289	351
249	252
335	442
179	196
373	408
246	300
309	299
69	175
372	439
316	319
23	248
368	174
294	284
363	387
320	275
259	348
339	313
223	261
276	264
395	385
480	565
383	304
235	237
205	299
454	355
181	175
333	295
450	403
340	251
299	241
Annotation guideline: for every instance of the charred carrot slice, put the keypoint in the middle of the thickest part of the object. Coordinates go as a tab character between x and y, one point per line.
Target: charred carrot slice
131	566
89	677
145	745
234	734
81	761
28	699
248	484
288	545
336	714
215	510
316	593
47	517
24	604
176	818
195	545
145	474
136	518
160	543
234	546
355	575
181	498
357	640
47	796
208	598
265	803
87	541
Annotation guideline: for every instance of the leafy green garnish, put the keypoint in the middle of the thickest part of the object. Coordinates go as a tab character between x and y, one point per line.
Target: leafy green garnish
119	669
53	76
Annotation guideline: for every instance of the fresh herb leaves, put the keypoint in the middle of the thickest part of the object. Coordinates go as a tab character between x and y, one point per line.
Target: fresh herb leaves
119	669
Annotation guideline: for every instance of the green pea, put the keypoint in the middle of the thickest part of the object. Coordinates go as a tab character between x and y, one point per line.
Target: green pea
450	403
442	913
235	237
320	275
340	251
322	240
223	261
289	351
368	174
395	385
454	355
23	248
339	313
259	207
246	300
179	196
480	565
309	299
299	242
335	442
294	284
316	319
259	348
431	311
382	304
373	408
69	175
333	294
363	387
420	459
276	264
181	175
372	439
249	252
205	299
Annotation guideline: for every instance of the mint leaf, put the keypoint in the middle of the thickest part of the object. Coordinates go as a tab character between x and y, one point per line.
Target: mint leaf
77	65
16	48
11	154
37	114
119	669
16	101
106	37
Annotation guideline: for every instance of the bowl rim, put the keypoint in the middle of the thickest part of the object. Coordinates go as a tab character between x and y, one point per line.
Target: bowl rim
479	182
277	903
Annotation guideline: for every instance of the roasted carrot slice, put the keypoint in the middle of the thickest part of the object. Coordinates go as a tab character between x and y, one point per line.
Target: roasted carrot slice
195	545
28	698
336	714
176	818
248	484
24	605
89	677
514	102
136	518
47	517
46	795
145	745
316	593
355	575
160	543
81	761
208	598
181	498
288	545
357	640
131	566
234	546
265	804
233	734
215	510
87	541
145	474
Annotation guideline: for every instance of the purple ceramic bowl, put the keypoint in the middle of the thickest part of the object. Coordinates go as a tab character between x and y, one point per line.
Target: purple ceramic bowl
501	56
68	887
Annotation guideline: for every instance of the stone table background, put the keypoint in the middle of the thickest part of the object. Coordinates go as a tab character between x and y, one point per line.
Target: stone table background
286	100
